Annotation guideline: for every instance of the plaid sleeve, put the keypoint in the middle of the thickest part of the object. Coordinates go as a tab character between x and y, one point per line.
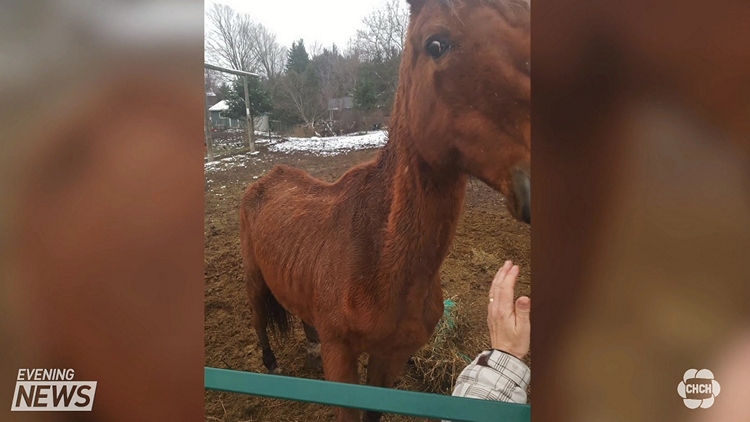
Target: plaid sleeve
494	375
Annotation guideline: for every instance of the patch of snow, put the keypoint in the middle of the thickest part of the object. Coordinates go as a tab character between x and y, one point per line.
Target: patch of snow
240	160
332	146
315	145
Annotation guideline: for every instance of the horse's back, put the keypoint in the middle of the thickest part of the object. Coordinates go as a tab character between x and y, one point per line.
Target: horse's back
282	184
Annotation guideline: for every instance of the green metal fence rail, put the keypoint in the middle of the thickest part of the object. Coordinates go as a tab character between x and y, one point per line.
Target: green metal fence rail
386	400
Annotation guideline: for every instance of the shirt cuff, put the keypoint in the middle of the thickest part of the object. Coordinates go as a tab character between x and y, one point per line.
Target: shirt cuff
510	366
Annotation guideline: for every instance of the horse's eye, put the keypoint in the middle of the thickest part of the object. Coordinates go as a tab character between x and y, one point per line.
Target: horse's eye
436	48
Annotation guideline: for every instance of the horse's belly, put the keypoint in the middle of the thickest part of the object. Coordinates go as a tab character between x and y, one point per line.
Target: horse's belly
411	333
407	339
289	269
297	298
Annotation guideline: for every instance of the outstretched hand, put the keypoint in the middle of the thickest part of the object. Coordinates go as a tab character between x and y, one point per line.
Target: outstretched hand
508	321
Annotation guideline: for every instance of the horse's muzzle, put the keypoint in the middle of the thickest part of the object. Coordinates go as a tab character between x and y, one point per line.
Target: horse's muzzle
522	192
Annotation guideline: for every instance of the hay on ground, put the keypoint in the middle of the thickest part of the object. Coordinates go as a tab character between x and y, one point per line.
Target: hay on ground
437	365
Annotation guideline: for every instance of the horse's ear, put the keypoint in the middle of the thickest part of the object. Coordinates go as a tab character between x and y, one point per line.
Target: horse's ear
416	6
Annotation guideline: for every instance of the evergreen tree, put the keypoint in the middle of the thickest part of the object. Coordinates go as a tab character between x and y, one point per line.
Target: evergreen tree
376	85
260	100
365	95
297	59
334	51
224	90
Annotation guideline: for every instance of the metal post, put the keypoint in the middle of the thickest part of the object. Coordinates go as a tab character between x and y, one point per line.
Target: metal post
209	138
250	122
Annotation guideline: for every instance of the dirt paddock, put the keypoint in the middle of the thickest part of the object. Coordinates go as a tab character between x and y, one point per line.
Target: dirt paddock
487	235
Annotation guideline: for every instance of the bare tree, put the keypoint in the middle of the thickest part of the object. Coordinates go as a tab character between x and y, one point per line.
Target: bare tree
314	49
235	40
385	31
303	95
268	54
214	79
327	67
228	38
348	70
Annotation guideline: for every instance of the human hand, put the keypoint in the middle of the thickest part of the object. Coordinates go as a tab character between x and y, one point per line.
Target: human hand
509	323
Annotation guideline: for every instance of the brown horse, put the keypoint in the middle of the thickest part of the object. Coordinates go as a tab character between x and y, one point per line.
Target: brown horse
358	260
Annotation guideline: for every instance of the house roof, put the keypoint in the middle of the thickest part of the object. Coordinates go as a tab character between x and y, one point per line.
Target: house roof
220	106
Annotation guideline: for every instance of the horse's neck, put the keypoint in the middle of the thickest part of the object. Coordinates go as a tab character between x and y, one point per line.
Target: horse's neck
424	209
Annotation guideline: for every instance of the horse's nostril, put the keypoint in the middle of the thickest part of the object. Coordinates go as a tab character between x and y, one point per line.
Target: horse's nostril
522	191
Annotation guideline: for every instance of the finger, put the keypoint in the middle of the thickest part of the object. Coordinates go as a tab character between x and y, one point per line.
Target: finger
523	313
499	276
504	291
523	323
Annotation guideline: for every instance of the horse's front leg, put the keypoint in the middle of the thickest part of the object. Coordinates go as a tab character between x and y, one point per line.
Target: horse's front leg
340	365
382	371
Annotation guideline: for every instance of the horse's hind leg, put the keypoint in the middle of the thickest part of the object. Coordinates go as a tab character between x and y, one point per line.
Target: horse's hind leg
257	291
313	347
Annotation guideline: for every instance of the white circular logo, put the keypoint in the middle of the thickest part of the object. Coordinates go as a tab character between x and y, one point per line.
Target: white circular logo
698	388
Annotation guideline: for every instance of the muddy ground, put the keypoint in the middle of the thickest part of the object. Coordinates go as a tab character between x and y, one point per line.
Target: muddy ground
487	235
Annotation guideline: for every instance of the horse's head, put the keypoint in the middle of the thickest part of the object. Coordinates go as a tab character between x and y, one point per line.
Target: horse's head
465	91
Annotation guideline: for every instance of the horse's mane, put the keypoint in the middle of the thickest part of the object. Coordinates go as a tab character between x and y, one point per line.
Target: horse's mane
516	12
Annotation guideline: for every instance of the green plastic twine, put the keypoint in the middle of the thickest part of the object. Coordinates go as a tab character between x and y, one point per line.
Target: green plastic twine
448	306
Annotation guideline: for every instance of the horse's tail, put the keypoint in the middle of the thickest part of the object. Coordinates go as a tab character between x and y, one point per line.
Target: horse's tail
279	319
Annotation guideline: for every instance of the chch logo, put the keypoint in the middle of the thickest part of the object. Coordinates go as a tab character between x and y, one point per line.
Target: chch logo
698	388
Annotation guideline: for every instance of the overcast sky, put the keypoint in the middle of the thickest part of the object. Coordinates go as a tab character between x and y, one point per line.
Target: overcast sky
324	21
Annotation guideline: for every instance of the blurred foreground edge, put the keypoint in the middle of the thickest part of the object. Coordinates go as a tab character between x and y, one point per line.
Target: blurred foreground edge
101	203
642	208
